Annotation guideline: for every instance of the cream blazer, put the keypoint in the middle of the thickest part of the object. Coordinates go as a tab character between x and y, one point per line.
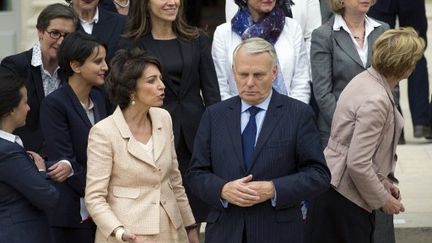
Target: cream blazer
361	151
125	186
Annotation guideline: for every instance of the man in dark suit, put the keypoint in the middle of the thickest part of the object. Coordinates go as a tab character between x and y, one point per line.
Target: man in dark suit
257	156
413	14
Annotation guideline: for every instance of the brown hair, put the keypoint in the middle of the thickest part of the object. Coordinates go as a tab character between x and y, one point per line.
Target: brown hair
54	11
396	52
127	67
139	22
338	6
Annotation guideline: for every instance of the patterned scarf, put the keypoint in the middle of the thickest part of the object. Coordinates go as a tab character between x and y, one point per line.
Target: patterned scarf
269	28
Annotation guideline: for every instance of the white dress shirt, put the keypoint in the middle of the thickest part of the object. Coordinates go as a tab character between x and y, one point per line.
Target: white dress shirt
88	25
370	25
49	82
11	138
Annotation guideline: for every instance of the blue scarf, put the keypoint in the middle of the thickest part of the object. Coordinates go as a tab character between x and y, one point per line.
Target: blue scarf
268	28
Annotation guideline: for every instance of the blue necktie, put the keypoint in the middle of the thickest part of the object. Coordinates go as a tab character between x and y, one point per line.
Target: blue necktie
249	135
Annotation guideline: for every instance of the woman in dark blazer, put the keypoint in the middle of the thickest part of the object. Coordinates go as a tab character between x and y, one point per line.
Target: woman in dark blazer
25	192
340	49
188	72
66	118
103	24
33	65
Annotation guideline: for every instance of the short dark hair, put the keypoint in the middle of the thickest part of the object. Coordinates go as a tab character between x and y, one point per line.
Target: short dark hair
77	46
127	67
10	85
54	11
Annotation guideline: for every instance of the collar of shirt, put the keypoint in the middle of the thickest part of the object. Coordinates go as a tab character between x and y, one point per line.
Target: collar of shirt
91	105
259	118
94	20
263	105
11	137
339	23
36	60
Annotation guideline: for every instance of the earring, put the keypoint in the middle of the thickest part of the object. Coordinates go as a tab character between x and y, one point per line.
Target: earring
132	99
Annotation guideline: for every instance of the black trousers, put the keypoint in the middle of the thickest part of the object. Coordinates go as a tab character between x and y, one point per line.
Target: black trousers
410	13
74	235
334	219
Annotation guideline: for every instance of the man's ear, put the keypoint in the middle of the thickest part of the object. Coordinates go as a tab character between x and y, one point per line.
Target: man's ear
274	71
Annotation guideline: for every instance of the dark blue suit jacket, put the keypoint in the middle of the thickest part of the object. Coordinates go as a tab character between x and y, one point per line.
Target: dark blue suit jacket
25	197
30	134
65	126
288	152
108	29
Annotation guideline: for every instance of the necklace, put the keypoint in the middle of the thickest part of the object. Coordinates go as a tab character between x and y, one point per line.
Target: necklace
124	5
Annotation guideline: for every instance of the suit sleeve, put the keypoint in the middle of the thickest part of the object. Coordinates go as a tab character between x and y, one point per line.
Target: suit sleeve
369	124
313	21
55	128
322	73
99	169
313	176
203	182
221	60
19	172
9	62
208	78
300	81
176	182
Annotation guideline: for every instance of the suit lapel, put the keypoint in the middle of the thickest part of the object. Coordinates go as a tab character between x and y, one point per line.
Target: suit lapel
77	105
159	140
133	145
398	119
344	41
272	117
37	82
187	51
100	28
371	39
233	123
99	110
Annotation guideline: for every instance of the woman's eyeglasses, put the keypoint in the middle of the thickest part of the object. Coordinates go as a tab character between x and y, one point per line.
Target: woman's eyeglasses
55	34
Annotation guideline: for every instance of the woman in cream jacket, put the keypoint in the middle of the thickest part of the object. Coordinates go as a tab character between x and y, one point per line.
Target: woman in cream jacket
134	190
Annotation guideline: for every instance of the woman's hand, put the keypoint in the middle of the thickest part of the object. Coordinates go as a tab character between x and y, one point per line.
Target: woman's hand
38	160
393	206
193	235
129	237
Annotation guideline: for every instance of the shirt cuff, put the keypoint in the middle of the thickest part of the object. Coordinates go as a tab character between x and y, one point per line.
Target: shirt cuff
273	200
70	165
224	203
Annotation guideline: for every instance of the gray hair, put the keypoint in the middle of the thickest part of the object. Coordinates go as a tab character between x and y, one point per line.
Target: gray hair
257	45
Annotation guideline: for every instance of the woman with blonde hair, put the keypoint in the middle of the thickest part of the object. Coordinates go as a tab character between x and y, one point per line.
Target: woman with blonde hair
362	146
341	49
